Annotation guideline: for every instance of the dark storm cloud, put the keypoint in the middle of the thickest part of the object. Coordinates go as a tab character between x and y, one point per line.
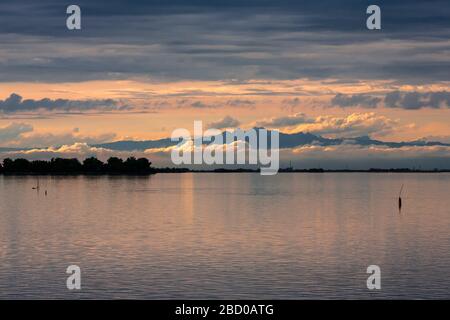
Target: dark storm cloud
231	39
418	100
397	99
361	100
15	103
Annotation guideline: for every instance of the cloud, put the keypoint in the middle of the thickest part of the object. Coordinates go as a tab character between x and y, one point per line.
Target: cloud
349	156
214	40
81	150
361	100
287	121
355	124
23	135
201	105
198	104
14	131
227	122
77	150
15	104
58	139
411	100
417	100
240	103
357	152
337	156
294	102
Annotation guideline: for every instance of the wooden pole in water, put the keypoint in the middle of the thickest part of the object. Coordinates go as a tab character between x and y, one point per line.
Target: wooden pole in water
400	198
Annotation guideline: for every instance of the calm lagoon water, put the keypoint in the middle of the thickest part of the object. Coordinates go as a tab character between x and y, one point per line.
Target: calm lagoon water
187	236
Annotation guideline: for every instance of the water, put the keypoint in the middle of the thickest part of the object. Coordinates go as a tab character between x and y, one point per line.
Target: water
186	236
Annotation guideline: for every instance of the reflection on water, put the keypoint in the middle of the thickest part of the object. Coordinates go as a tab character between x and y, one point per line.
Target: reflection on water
226	236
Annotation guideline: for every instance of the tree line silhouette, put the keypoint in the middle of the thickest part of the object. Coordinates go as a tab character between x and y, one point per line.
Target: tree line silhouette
90	165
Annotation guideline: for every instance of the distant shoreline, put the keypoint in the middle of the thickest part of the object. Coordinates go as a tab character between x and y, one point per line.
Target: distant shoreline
143	167
304	171
185	170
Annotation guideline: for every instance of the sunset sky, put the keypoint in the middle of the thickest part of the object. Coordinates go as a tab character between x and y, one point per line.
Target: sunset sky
140	69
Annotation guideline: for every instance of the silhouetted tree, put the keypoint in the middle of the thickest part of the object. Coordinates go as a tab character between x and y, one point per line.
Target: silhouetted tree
115	164
73	166
93	165
134	165
143	164
7	164
40	166
17	165
60	165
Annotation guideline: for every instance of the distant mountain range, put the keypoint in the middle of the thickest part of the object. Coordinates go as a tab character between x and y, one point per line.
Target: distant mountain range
286	141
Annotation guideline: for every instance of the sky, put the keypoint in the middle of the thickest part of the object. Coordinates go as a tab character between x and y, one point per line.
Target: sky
140	69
